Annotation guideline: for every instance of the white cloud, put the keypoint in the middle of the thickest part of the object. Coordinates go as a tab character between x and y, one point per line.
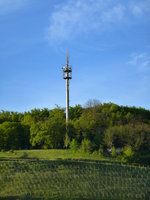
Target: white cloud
113	15
141	61
138	8
83	16
8	6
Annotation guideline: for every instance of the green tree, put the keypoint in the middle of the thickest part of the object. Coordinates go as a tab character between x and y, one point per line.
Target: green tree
38	133
5	116
28	119
15	117
51	133
75	112
14	135
90	125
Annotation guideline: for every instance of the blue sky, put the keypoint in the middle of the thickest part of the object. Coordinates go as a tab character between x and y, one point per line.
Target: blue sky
108	42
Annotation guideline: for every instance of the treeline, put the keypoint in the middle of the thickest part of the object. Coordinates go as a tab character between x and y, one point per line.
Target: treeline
107	129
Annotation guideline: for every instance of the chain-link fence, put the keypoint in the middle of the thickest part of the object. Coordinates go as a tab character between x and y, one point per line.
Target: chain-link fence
26	179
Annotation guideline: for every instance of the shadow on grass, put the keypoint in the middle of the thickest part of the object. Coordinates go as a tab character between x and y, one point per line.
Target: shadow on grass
47	198
19	198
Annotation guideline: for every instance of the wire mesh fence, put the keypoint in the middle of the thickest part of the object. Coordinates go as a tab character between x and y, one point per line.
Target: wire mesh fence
26	179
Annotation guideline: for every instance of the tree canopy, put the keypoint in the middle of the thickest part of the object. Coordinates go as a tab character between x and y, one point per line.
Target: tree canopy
107	125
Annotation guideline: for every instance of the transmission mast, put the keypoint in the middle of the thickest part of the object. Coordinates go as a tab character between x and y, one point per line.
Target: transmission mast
67	74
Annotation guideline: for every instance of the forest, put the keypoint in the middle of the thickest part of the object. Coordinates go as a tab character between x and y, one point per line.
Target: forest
106	129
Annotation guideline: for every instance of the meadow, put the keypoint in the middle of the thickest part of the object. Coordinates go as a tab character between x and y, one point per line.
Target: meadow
60	174
52	154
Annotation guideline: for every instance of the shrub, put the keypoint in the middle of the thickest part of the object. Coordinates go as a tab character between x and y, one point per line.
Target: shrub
100	151
66	141
127	154
113	152
95	153
86	146
74	146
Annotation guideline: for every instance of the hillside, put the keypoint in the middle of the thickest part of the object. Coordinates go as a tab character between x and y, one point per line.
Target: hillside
106	129
31	179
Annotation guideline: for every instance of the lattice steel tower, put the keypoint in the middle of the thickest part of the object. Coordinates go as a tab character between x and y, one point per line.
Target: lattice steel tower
67	74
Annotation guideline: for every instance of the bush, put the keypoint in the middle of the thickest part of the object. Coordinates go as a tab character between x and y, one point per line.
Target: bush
101	151
66	141
95	153
86	146
113	152
74	146
127	154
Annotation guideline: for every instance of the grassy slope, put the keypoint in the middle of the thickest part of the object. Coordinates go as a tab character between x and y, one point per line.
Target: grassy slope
65	180
49	155
56	176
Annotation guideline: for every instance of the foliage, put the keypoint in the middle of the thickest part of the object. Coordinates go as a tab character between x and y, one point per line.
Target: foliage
113	152
128	151
107	125
86	146
38	135
14	135
75	112
101	151
127	154
49	134
137	136
66	141
74	146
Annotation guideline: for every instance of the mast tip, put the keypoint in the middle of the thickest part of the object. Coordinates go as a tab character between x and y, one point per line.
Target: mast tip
67	58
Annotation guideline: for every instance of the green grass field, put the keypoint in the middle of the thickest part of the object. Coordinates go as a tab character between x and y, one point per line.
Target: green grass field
49	155
55	175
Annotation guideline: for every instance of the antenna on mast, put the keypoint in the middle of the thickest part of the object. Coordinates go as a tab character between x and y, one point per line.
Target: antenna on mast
67	59
67	74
